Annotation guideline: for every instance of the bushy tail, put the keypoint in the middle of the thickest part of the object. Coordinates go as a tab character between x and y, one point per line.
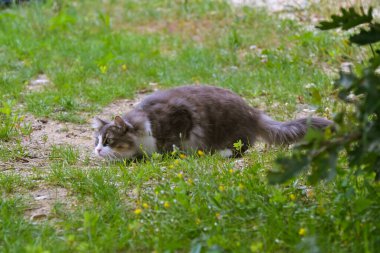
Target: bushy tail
275	132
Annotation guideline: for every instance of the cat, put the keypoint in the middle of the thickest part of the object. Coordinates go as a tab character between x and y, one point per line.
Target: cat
194	118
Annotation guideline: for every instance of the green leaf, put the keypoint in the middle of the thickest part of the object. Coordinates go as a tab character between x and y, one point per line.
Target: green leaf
365	37
238	145
326	167
361	204
349	19
313	135
289	167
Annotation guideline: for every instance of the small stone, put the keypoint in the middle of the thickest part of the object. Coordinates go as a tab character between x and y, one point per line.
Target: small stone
43	121
253	47
41	197
38	216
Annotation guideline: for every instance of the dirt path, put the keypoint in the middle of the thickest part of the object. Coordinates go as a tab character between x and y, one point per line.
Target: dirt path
47	133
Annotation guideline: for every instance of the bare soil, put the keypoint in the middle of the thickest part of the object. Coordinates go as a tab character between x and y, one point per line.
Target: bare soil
44	199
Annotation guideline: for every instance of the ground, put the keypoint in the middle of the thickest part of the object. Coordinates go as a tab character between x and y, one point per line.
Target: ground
62	63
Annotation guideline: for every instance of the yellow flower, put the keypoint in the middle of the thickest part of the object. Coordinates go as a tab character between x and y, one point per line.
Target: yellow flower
218	216
292	197
138	211
166	204
182	156
221	188
200	153
241	186
124	67
180	175
190	181
103	69
145	205
197	221
171	166
195	79
176	162
257	247
302	232
231	171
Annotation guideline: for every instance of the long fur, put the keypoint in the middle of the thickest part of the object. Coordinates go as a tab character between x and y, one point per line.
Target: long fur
282	133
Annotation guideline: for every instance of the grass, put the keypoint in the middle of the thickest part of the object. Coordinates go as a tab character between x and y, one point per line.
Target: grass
65	154
97	52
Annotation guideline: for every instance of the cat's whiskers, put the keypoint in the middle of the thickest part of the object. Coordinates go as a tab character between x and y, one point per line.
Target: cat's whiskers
117	154
110	155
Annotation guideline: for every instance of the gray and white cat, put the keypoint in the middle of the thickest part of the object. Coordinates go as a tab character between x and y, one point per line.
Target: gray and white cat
194	118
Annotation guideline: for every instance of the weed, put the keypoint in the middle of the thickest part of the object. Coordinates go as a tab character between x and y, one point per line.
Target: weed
10	122
14	151
64	154
13	182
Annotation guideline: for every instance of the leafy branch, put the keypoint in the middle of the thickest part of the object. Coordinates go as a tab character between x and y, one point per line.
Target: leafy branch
358	132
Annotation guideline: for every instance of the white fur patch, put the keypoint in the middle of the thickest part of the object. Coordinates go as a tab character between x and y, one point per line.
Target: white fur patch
147	142
103	151
99	146
225	152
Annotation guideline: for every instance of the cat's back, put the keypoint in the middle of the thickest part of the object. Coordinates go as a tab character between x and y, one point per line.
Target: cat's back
217	116
196	96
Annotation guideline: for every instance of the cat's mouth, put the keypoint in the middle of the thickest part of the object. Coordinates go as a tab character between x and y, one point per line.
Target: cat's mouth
100	154
110	155
105	153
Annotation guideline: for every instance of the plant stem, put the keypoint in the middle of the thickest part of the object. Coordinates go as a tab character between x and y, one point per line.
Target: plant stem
373	52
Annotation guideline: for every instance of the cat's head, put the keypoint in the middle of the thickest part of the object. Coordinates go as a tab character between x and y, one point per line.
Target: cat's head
115	140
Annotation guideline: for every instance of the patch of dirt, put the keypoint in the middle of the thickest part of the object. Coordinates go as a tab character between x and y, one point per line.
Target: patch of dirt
44	200
305	111
39	83
274	5
47	133
299	9
120	107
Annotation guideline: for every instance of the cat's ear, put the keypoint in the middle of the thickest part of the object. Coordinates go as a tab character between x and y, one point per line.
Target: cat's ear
125	125
98	123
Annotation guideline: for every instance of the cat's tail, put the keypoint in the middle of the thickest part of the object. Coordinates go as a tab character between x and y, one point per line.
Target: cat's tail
275	132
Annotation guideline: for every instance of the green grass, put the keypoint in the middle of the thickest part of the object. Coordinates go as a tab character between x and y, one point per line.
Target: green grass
64	154
11	182
96	52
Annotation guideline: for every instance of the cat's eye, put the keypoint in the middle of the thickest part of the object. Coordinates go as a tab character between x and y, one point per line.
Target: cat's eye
108	141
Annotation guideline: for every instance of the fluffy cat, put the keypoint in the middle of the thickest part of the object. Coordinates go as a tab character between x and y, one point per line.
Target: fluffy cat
194	118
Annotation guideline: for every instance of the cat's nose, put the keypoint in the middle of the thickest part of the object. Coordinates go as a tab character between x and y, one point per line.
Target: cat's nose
98	150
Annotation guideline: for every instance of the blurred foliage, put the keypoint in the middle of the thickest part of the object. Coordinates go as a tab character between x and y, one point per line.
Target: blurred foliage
357	125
